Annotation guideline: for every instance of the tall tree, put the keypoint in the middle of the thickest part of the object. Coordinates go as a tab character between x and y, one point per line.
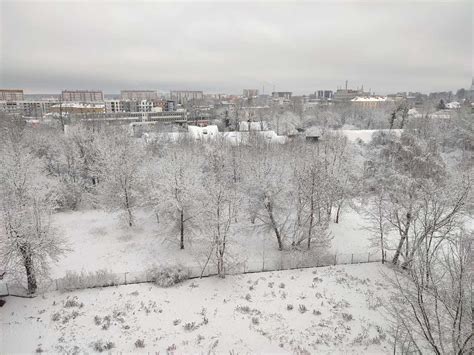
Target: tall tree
28	239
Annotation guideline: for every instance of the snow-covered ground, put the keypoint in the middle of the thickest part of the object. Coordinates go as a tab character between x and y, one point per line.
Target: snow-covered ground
323	310
98	240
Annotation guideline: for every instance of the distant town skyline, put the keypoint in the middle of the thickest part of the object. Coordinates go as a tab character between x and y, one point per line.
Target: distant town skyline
50	46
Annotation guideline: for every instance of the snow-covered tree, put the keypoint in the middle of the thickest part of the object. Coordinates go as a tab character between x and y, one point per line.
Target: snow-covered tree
219	207
312	189
266	188
176	189
431	303
120	175
28	240
422	201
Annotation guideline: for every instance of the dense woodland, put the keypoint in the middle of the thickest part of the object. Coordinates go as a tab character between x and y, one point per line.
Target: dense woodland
415	186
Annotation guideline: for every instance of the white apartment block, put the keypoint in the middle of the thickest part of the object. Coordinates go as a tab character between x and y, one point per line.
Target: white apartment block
113	106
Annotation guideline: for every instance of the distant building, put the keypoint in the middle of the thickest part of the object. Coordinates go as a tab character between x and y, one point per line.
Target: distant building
370	101
113	106
11	95
453	105
286	95
170	105
82	95
138	95
346	95
249	93
324	94
77	107
184	96
29	108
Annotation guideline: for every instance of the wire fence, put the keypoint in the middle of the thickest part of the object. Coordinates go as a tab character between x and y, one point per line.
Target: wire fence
103	278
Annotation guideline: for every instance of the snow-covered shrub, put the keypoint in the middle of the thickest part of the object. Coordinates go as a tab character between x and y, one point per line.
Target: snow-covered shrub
140	343
289	307
73	302
190	326
100	346
55	317
167	276
97	320
74	280
302	308
243	309
69	195
255	320
347	317
106	323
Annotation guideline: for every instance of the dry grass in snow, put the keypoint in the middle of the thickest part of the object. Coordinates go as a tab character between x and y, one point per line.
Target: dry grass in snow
323	310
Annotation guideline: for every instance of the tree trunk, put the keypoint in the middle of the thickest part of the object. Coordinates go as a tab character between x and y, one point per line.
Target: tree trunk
402	240
181	240
338	212
29	267
311	221
269	208
129	210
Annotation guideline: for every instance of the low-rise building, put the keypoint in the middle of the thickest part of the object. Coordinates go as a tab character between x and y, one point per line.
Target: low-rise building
370	101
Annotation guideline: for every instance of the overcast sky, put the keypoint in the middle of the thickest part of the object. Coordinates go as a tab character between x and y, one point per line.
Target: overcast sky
47	46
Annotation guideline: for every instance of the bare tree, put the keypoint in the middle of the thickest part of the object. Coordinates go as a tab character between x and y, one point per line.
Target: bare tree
431	302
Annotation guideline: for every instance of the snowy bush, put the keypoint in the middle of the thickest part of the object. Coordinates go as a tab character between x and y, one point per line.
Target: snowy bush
167	276
140	343
69	195
73	302
347	317
190	326
74	280
100	346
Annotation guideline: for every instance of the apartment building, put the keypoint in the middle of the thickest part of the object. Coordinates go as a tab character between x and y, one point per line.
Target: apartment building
250	93
138	95
11	95
82	95
185	96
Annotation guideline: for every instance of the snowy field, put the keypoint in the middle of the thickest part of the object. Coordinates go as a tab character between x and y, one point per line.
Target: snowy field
99	240
324	310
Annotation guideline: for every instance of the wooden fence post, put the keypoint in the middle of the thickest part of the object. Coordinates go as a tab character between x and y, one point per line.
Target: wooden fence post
368	257
335	259
57	287
352	258
8	291
125	277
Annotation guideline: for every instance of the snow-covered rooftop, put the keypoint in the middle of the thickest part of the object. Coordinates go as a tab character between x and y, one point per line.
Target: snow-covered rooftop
369	99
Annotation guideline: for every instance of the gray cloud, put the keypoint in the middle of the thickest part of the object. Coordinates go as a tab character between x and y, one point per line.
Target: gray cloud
46	46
